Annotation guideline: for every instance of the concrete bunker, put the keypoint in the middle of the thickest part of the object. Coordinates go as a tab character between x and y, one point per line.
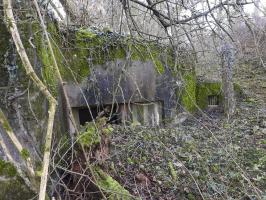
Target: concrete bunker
125	92
146	113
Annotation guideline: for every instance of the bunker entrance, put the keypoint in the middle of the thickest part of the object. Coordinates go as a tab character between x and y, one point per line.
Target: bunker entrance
213	100
143	113
91	113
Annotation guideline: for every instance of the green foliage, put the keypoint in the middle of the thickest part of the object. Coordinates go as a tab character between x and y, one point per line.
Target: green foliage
255	157
25	154
7	169
107	130
91	133
172	171
90	136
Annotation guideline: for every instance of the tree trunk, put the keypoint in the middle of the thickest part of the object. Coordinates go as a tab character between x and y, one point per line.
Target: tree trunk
227	78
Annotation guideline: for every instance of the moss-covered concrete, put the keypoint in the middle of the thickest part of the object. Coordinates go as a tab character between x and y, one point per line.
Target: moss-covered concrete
92	47
49	74
7	169
209	88
14	189
205	89
189	91
11	184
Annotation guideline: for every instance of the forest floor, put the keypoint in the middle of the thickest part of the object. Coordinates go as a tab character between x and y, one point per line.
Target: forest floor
208	157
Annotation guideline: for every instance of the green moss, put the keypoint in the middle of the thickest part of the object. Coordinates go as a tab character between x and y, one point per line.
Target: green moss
25	154
85	33
15	189
90	136
190	196
48	71
215	168
49	74
4	122
107	130
7	169
92	48
110	187
145	52
158	64
189	91
239	93
205	89
172	171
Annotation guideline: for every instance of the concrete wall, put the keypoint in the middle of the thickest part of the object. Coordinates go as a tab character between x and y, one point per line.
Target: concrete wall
122	81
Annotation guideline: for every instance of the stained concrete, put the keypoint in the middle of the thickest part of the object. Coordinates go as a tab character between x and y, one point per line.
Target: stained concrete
124	81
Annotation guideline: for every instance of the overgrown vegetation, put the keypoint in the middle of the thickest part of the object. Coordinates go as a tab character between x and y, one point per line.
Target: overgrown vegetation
204	157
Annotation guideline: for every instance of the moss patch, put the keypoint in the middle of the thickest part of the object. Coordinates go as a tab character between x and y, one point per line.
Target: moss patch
14	189
48	70
110	186
189	91
7	169
172	171
94	47
205	89
90	136
4	122
25	154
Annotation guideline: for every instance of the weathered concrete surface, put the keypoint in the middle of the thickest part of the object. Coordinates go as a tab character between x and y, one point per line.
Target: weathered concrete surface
123	81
